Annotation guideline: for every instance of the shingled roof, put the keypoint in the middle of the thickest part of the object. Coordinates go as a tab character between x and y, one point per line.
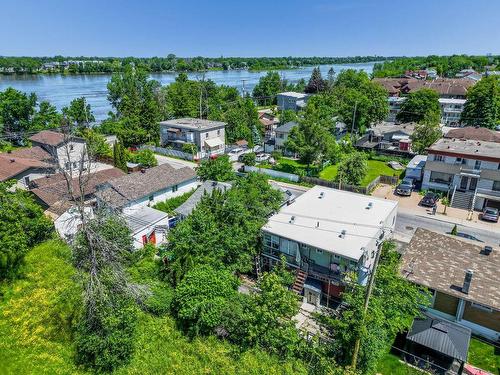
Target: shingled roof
439	261
48	137
11	166
137	185
473	133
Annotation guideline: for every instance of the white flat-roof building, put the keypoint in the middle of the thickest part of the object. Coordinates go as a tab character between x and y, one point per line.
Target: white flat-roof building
291	100
325	233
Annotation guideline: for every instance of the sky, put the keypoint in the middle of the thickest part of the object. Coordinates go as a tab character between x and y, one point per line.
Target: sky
249	28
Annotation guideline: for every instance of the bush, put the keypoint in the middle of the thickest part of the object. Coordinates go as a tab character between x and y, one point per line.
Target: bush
171	204
145	157
248	159
189	148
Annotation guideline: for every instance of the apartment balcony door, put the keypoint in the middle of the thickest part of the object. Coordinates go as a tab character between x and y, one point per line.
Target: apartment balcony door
473	184
464	181
468	183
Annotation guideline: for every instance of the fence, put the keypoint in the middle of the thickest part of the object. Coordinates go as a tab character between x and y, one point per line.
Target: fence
169	152
383	179
273	173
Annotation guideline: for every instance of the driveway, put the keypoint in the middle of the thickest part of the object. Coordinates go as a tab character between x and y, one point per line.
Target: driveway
176	163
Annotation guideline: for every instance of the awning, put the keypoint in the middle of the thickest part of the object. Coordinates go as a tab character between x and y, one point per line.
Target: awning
173	130
214	142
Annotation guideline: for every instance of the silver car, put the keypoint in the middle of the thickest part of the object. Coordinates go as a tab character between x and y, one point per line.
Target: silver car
490	214
405	187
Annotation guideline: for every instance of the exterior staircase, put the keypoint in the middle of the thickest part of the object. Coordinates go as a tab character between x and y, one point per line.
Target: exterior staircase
462	199
300	279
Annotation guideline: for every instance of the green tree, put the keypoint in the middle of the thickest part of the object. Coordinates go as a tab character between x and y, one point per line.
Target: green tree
16	111
202	297
483	104
96	143
454	230
267	88
189	148
316	82
145	157
23	226
424	135
248	158
393	305
79	114
288	115
353	169
216	169
119	156
46	117
421	106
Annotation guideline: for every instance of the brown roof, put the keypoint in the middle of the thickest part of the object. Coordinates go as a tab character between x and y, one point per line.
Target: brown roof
48	137
439	262
11	166
142	184
36	152
242	142
54	189
473	133
443	86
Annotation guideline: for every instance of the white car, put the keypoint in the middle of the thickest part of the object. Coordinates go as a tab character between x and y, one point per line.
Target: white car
259	158
236	150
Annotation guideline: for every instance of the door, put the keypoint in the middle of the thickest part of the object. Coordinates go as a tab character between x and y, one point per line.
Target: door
473	184
463	183
311	298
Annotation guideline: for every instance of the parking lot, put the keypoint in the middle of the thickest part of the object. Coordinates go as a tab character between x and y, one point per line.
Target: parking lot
411	205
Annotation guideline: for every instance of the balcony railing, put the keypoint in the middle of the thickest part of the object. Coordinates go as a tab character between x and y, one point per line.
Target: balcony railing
471	171
491	193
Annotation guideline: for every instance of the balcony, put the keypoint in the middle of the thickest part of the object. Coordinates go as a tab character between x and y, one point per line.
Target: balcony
470	172
489	194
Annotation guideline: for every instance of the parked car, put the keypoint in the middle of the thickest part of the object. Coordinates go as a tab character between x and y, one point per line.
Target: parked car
429	200
405	187
490	214
259	158
235	151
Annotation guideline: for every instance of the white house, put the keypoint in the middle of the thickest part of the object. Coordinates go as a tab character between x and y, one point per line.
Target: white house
325	233
281	136
147	225
291	100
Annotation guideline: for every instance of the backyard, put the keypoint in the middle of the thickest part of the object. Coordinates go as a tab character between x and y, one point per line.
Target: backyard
484	356
375	169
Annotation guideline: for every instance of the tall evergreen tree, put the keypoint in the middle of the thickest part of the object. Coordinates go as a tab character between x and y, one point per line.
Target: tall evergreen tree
316	82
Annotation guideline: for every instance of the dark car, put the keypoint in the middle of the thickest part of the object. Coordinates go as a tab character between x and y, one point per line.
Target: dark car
468	236
429	200
405	187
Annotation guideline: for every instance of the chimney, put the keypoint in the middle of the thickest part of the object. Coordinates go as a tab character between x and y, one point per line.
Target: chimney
467	281
487	250
143	170
12	160
292	220
343	233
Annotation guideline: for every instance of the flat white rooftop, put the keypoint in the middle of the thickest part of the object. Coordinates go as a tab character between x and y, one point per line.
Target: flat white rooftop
299	95
318	217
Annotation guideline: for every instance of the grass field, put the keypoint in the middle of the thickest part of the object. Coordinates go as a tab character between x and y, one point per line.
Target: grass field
484	356
38	313
375	169
391	365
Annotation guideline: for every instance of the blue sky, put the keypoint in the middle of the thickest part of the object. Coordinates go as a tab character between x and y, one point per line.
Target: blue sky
249	28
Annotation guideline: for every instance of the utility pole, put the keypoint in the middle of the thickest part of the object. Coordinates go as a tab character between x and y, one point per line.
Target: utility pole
353	118
243	87
369	290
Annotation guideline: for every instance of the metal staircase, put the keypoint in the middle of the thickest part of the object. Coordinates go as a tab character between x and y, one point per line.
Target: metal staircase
300	279
462	199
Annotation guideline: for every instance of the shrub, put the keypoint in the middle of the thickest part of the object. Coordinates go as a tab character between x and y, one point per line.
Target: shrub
249	158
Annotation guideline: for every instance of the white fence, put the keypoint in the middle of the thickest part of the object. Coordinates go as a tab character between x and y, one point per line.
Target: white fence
272	173
168	152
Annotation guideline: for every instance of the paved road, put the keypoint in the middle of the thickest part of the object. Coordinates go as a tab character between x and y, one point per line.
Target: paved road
406	224
176	163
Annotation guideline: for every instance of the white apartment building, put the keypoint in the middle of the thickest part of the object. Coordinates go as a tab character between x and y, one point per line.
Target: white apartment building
468	169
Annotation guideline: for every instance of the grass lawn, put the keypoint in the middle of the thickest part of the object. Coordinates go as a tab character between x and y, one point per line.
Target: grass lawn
391	365
484	356
375	169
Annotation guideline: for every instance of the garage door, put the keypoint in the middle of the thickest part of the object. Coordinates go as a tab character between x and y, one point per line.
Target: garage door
492	203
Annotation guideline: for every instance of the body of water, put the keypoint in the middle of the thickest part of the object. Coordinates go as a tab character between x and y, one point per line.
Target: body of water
61	89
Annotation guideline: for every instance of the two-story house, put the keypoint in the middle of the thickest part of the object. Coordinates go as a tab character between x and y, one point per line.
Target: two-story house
67	150
290	100
324	234
208	136
462	278
388	137
281	135
467	168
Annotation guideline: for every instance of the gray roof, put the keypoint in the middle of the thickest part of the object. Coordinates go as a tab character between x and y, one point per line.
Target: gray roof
384	128
439	261
143	217
442	336
481	150
285	128
193	123
118	192
207	187
294	94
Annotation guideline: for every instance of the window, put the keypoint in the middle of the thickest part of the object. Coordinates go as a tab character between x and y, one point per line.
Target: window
274	242
144	239
458	161
218	132
175	188
464	161
71	147
288	247
206	135
438	158
441	178
481	307
319	251
151	198
477	164
496	186
27	180
67	165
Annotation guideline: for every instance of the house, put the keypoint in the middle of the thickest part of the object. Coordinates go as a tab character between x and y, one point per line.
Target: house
282	133
444	344
291	100
185	209
67	150
465	73
208	136
462	278
415	167
388	137
24	165
395	103
325	233
146	188
451	88
468	169
269	122
147	225
51	191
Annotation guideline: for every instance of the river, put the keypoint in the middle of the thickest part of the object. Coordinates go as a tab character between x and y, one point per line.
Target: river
61	89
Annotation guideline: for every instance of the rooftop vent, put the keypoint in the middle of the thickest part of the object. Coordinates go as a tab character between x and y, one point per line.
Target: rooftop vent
317	224
343	233
467	281
487	250
292	220
321	195
370	206
12	160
